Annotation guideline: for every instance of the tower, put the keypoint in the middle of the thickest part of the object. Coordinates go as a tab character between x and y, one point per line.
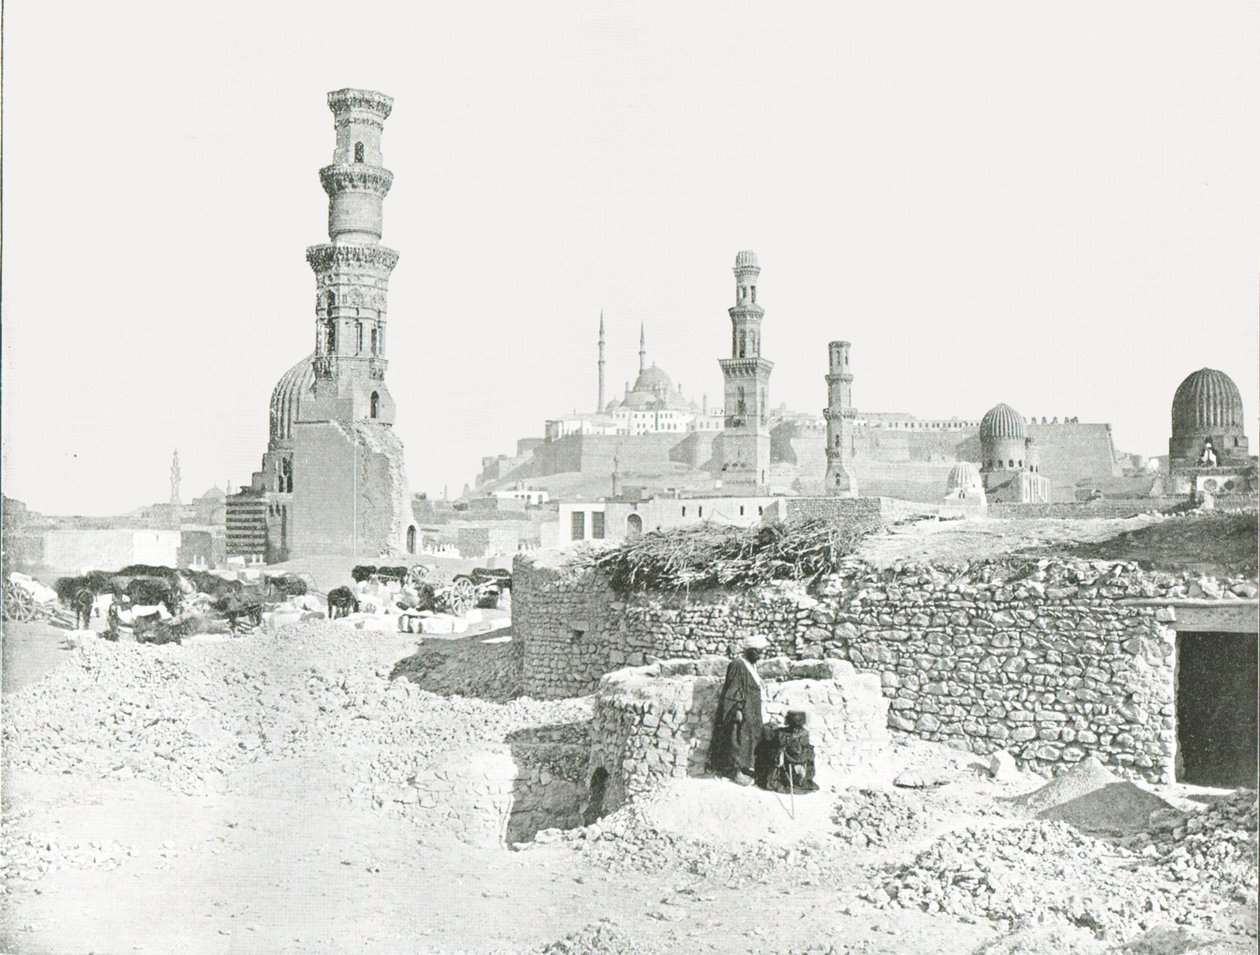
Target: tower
175	479
840	481
352	269
600	406
746	434
642	349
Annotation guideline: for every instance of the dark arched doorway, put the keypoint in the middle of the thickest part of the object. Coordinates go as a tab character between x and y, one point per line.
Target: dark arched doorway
375	405
411	539
634	526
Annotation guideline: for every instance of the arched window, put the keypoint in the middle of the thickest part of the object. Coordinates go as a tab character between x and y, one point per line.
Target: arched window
634	525
358	338
374	341
358	152
375	404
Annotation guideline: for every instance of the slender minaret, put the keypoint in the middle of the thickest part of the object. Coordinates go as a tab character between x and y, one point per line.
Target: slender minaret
746	433
642	349
175	479
352	269
600	407
839	481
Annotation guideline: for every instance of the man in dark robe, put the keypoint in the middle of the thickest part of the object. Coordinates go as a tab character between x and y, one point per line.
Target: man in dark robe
737	725
794	757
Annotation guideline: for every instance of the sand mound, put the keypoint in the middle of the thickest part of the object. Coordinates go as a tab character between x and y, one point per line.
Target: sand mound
719	812
1092	799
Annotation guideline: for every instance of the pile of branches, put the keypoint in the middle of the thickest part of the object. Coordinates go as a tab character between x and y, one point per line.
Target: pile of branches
712	555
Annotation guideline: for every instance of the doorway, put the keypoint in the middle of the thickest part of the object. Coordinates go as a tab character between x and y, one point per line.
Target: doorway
634	526
1216	708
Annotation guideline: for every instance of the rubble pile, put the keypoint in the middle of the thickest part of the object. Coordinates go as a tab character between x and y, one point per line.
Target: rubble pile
875	817
28	857
188	717
469	667
1016	875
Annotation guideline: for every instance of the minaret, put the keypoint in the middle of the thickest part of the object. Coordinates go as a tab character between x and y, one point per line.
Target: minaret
840	481
175	479
352	270
642	349
600	407
746	434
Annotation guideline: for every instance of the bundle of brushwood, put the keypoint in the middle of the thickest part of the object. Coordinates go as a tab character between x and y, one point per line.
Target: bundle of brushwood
713	555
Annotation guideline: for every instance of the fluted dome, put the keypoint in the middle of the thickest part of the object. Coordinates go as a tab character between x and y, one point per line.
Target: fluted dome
1002	421
746	259
1207	401
963	476
286	398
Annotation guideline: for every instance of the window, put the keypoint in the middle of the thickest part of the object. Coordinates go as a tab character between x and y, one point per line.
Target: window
358	338
597	525
577	528
700	511
375	405
760	510
684	510
741	510
411	539
373	341
358	152
634	525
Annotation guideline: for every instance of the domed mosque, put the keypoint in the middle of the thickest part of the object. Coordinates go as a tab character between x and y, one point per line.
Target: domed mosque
1009	460
1208	447
964	492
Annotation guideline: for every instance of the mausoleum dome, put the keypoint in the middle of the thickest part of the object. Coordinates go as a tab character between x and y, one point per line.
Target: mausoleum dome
286	399
1207	402
963	476
1002	421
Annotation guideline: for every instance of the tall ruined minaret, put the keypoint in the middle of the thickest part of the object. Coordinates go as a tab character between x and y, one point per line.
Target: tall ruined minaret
600	407
746	432
175	479
352	270
839	481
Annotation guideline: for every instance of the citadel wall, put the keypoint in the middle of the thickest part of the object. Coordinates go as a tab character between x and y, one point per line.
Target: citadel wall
1049	660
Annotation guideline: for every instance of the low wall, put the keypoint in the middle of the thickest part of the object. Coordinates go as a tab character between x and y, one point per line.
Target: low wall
654	723
1086	509
1048	659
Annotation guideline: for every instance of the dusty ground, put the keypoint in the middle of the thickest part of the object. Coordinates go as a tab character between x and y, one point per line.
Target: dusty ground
239	796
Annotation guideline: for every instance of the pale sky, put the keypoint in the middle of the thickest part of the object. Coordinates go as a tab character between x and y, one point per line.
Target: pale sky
1052	205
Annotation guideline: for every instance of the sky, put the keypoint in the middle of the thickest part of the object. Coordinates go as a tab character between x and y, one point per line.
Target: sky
1054	206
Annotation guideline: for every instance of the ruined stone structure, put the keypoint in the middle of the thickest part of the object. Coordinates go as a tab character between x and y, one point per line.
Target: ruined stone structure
1009	460
332	479
745	446
1208	447
839	481
1050	660
654	723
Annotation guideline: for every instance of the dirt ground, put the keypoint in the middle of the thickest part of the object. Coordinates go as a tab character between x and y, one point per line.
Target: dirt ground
284	854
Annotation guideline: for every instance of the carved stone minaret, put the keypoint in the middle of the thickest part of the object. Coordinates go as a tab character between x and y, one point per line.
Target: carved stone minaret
175	479
352	270
746	433
600	407
840	481
642	349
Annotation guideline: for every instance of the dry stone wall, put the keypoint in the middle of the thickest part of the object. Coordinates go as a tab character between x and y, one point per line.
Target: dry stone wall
654	723
1050	660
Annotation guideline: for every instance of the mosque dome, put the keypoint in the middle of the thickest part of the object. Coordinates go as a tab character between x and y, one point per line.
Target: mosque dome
1207	401
746	260
653	379
963	476
1002	422
286	398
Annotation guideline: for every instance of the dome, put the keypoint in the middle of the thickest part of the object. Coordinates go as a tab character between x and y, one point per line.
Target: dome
1001	421
1207	401
214	494
286	397
653	379
963	476
746	260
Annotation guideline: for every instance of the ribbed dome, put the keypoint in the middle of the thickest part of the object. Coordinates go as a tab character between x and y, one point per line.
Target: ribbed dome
287	396
1207	401
746	259
1001	421
963	476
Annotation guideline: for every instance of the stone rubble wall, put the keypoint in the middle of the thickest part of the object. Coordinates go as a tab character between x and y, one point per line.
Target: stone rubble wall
1048	659
655	723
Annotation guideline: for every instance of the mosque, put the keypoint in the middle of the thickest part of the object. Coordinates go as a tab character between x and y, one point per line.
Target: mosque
1208	448
332	478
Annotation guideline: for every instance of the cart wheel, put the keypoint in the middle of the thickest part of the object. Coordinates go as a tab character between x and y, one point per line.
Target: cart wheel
416	576
18	604
463	595
505	599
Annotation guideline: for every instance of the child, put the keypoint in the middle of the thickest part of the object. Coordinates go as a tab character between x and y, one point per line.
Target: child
794	757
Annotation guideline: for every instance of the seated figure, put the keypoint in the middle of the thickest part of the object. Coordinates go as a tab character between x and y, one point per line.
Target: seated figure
793	765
